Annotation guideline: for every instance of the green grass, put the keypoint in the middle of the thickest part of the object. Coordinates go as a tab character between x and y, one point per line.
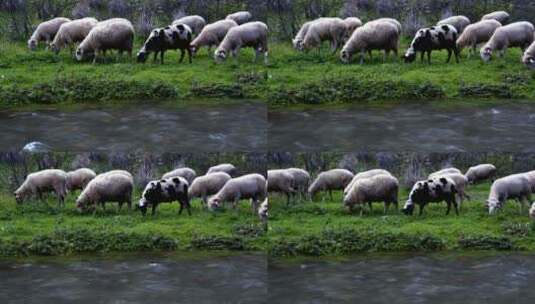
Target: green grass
325	228
290	78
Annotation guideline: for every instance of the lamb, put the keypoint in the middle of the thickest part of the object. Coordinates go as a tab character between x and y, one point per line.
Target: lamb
459	22
229	169
365	174
529	57
379	188
263	212
352	23
240	17
252	34
116	186
281	181
515	186
187	173
500	16
427	40
336	179
195	23
333	30
46	32
165	191
480	173
174	37
300	36
372	36
78	179
71	33
518	34
116	33
477	33
432	191
301	179
50	180
251	186
206	185
212	35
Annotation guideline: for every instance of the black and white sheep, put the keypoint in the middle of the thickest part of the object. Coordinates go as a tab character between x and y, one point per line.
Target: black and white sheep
427	40
379	188
206	185
174	37
332	180
461	183
432	191
195	23
281	181
375	35
78	179
518	34
212	35
481	173
251	186
252	34
229	169
112	34
477	33
500	16
240	17
71	33
165	191
187	173
46	31
515	187
529	57
45	181
458	22
116	186
333	30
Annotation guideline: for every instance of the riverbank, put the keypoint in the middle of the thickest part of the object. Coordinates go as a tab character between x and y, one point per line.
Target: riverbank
290	78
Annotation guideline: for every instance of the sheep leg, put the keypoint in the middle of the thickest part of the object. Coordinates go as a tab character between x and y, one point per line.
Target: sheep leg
155	57
371	207
95	56
422	209
386	207
182	55
331	194
162	57
449	208
190	55
120	206
422	55
154	209
429	57
362	57
204	201
181	208
456	206
449	56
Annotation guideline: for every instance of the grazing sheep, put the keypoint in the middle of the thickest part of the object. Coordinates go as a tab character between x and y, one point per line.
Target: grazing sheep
529	57
123	172
300	36
532	211
365	174
461	183
206	185
72	32
227	168
459	22
78	179
281	181
500	16
515	186
432	191
372	36
112	34
427	40
445	171
518	34
251	186
263	212
116	186
187	173
195	23
336	179
480	173
352	23
301	179
252	34
174	37
325	29
50	180
46	32
240	17
212	35
531	180
392	21
477	33
165	191
379	188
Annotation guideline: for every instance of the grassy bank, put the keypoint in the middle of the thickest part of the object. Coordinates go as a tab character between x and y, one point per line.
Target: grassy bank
290	78
324	228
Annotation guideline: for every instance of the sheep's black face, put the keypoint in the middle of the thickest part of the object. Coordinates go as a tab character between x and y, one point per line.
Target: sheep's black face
143	209
409	58
142	57
530	62
408	210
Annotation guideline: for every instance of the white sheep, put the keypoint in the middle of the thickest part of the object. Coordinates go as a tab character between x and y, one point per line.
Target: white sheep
432	191
196	23
35	184
263	212
392	21
332	180
515	186
459	22
531	180
206	185
477	33
372	36
445	171
165	191
352	23
480	173
365	174
212	35
78	179
252	34
240	17
333	30
379	188
297	42
46	32
112	34
251	186
529	57
114	186
301	179
281	181
518	34
229	169
500	16
187	173
71	33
